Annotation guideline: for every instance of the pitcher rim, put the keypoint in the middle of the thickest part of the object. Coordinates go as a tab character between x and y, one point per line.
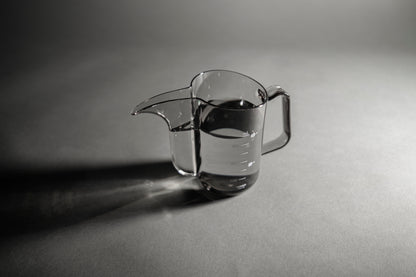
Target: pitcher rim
234	72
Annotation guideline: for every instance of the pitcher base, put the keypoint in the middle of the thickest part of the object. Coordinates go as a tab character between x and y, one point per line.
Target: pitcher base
226	186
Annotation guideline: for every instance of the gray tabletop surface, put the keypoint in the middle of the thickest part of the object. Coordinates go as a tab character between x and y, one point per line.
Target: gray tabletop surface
89	190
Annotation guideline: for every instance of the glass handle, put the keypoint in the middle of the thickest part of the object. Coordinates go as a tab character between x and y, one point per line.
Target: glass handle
283	139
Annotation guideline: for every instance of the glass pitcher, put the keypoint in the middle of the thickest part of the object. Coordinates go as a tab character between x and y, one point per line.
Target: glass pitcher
216	128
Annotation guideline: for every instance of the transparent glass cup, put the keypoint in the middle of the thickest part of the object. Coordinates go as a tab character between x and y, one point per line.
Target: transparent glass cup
216	128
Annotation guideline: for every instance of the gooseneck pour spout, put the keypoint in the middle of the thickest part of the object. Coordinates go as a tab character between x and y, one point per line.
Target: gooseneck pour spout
175	107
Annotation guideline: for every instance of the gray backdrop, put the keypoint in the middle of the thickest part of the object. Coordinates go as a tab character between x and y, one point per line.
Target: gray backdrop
88	190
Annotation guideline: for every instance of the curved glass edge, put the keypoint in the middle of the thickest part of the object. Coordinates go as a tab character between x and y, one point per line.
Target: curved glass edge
237	73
